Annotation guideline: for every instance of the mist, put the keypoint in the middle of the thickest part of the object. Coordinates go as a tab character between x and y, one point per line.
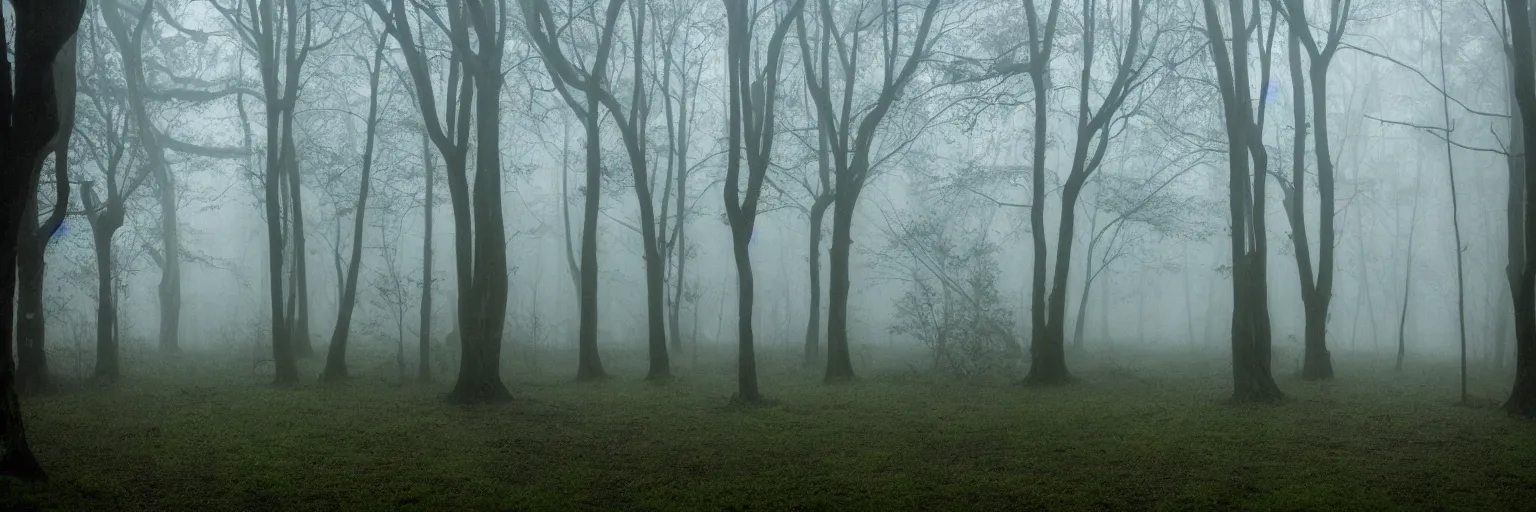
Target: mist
778	254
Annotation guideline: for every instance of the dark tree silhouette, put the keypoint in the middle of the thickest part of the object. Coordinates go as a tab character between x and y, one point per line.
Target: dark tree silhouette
1247	161
30	113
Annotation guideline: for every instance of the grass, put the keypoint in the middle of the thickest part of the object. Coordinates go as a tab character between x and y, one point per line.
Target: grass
202	433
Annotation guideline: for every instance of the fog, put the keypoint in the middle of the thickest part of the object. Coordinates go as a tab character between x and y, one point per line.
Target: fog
483	201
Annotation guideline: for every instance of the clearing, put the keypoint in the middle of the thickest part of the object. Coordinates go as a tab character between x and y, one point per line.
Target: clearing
204	432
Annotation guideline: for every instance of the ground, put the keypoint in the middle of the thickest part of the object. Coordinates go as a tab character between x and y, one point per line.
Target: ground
1138	432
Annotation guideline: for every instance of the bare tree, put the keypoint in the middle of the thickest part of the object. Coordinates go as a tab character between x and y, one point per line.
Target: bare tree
850	146
753	94
1048	363
630	120
336	355
1316	290
280	51
479	229
1248	161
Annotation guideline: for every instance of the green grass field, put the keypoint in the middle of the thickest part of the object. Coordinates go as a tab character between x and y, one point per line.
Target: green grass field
1140	432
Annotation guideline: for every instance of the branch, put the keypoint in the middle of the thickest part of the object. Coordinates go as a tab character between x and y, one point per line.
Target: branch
1439	133
1426	80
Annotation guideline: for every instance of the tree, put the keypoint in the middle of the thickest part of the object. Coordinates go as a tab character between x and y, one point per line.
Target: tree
32	359
336	355
1048	363
429	190
479	229
545	33
1247	161
280	51
1133	203
1522	398
30	111
1316	291
850	146
105	136
589	364
753	93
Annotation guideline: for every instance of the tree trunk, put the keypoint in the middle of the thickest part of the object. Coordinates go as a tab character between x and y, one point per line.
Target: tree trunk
29	120
839	362
299	337
813	257
1450	172
424	357
16	457
589	366
1088	273
1402	319
283	360
746	355
486	301
1047	363
32	362
336	356
106	305
1522	397
170	272
32	365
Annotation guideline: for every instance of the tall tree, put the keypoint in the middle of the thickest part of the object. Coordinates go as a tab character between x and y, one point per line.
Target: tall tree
1048	363
589	364
852	139
336	355
424	350
1522	398
1247	162
281	52
108	144
29	120
475	80
1316	291
752	96
32	358
630	119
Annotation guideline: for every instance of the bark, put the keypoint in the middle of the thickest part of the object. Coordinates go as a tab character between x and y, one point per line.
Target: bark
484	307
29	120
1522	397
336	356
1082	303
1048	363
299	321
813	259
589	364
31	332
680	246
839	362
104	226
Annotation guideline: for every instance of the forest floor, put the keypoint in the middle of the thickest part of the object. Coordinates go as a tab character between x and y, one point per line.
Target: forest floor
1139	432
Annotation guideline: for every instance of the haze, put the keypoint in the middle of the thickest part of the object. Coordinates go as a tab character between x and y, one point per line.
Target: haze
768	254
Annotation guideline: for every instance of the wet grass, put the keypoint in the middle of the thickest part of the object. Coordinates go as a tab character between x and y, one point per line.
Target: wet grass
1154	434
